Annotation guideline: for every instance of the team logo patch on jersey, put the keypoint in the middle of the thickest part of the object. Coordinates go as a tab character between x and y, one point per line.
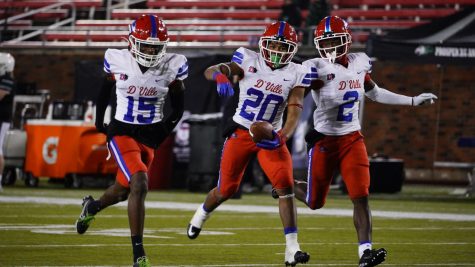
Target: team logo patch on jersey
252	69
123	77
330	76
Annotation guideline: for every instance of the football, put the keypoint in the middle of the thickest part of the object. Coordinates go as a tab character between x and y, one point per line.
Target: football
260	130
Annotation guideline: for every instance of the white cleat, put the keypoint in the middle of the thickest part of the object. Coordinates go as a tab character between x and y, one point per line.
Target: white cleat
196	223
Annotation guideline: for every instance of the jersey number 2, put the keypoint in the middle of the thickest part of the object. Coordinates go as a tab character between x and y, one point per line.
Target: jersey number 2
352	96
256	102
143	106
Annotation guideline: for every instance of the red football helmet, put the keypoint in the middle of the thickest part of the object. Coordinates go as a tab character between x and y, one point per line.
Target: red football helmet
332	38
148	40
278	44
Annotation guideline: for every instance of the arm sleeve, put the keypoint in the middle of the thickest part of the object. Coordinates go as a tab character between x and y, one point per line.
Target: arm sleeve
384	96
6	84
177	103
103	99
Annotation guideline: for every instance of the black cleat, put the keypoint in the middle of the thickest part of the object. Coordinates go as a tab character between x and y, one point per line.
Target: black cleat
299	257
85	219
192	232
373	257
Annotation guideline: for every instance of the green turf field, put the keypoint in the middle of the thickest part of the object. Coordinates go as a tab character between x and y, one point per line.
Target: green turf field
37	233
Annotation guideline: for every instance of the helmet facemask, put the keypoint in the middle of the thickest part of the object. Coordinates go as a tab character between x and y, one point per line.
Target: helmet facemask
277	52
333	46
147	52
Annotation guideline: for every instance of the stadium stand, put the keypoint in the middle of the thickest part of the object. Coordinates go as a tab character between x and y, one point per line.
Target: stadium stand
21	4
262	4
209	20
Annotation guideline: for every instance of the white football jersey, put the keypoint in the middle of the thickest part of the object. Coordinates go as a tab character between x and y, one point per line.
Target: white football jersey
141	96
339	98
263	92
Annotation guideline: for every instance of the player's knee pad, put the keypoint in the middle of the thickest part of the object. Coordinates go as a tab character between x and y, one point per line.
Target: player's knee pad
285	192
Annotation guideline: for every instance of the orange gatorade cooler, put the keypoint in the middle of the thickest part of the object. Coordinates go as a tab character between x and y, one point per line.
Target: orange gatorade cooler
56	148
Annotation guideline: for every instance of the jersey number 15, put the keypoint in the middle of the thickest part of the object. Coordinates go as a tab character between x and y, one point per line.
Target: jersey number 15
145	104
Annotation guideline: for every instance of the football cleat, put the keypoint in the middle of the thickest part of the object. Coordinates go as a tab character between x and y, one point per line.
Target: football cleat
196	223
142	262
373	257
192	231
292	258
85	219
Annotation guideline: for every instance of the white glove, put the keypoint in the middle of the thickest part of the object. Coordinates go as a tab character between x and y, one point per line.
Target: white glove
423	99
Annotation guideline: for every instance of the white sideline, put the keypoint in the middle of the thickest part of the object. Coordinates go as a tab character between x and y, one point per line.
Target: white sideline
253	209
306	265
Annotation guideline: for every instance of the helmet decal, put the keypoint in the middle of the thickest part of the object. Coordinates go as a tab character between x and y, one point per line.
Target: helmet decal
327	25
281	29
153	22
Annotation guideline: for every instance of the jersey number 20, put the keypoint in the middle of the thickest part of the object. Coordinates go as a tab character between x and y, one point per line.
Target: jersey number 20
277	99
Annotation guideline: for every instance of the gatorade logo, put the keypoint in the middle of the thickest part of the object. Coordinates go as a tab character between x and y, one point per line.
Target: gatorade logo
50	150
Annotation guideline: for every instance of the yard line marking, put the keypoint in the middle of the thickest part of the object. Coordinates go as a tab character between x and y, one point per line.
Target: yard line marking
265	265
18	226
253	209
233	245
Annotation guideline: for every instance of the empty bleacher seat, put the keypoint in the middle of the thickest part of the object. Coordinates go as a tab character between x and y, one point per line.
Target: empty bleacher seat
38	4
182	36
49	14
398	3
171	23
264	4
197	13
393	13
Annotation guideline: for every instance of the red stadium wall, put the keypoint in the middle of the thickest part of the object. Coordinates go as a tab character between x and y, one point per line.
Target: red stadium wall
410	133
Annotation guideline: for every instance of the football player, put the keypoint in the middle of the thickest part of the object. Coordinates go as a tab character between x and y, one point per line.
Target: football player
7	64
142	75
269	83
336	142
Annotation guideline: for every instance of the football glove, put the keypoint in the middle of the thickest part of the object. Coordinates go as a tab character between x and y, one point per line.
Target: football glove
423	99
224	86
276	142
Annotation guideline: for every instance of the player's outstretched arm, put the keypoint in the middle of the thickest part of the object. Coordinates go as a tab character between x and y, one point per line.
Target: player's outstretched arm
221	73
381	95
102	101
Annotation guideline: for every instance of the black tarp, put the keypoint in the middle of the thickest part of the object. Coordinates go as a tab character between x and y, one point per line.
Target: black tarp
448	40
